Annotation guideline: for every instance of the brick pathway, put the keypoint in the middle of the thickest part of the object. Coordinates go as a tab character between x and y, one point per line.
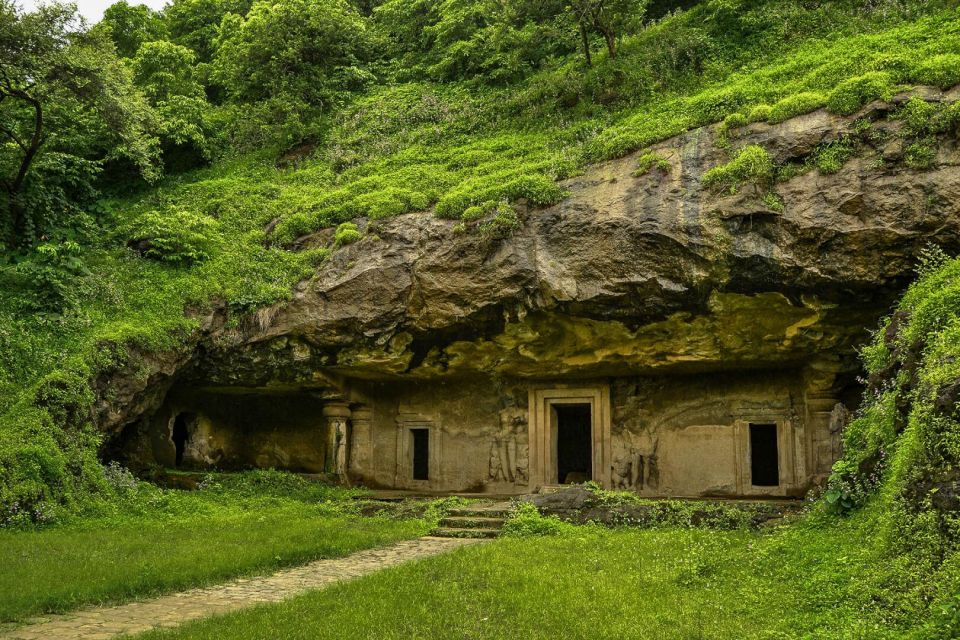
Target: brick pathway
174	609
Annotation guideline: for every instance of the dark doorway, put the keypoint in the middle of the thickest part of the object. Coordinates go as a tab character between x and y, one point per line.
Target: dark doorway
574	443
421	454
764	457
180	436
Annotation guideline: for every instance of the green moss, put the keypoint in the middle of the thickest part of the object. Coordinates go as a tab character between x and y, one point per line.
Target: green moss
752	164
760	113
853	93
795	105
346	233
773	202
920	154
918	115
940	71
830	158
649	161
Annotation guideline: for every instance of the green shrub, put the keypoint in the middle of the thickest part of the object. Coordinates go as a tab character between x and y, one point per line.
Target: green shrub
505	221
474	213
918	115
175	235
853	93
735	121
773	202
921	154
538	189
346	233
648	161
795	105
940	71
760	113
52	276
923	118
831	157
526	521
752	164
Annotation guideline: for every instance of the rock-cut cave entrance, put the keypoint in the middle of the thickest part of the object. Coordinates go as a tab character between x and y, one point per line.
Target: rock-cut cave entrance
574	443
764	456
180	435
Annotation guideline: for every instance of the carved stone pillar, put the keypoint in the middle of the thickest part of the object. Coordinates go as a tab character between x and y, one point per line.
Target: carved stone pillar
361	442
338	439
821	400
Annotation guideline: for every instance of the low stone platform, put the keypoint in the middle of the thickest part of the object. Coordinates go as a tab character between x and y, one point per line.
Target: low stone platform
101	623
579	505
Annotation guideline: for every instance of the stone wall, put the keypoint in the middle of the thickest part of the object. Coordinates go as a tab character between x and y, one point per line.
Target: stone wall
662	435
680	435
230	430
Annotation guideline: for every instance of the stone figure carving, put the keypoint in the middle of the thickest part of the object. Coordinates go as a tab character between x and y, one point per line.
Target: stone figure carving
839	417
508	459
653	469
340	447
636	470
623	471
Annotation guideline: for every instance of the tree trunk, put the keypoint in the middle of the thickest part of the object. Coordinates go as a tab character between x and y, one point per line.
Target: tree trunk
611	39
586	45
30	149
18	219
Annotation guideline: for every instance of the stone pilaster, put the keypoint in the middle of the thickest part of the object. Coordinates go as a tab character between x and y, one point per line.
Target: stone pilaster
361	442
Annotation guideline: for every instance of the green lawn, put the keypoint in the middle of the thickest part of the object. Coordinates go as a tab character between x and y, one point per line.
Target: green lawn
172	540
815	579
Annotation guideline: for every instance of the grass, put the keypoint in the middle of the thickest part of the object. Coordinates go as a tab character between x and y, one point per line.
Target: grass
812	579
165	540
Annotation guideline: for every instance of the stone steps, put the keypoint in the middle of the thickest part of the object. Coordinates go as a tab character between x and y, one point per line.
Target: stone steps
479	512
444	532
473	522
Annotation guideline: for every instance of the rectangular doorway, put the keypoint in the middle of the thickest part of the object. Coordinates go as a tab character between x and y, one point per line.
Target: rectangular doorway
574	443
421	453
764	456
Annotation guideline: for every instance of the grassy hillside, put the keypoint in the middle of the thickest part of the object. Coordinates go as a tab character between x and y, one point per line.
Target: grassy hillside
464	147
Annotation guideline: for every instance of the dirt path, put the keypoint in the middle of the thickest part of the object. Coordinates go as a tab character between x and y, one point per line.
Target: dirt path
171	610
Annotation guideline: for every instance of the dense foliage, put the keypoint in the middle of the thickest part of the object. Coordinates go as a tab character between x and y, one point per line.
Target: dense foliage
67	107
183	153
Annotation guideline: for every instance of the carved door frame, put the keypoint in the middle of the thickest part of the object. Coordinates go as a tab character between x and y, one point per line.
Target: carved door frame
403	478
543	430
786	454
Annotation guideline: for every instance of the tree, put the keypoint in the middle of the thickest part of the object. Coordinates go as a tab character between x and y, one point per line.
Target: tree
300	49
195	24
608	18
131	26
166	72
67	106
497	40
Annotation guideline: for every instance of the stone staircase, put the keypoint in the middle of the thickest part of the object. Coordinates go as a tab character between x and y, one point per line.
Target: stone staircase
473	522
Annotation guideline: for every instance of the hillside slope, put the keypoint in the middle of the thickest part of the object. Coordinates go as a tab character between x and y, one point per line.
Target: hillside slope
202	252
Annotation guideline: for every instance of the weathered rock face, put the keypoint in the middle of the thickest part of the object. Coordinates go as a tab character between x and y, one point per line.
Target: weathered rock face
629	282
